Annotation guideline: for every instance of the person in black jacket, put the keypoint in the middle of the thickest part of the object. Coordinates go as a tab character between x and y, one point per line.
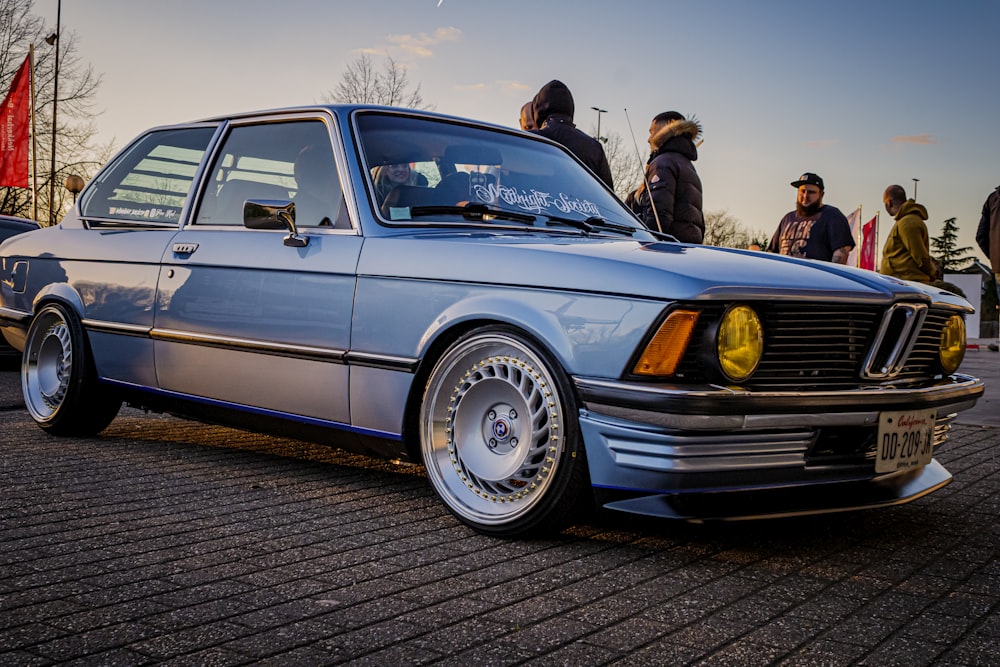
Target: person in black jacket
672	180
553	107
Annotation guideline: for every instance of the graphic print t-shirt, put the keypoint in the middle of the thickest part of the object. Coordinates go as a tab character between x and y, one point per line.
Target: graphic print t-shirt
812	237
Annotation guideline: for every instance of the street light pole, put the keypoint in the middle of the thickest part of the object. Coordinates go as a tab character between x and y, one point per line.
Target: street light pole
915	181
55	103
74	184
599	112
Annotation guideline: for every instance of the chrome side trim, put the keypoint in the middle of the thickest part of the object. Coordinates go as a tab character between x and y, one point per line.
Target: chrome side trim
14	316
331	355
387	362
249	345
101	326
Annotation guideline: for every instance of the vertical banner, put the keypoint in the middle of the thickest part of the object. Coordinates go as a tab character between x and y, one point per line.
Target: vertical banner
15	119
854	220
869	238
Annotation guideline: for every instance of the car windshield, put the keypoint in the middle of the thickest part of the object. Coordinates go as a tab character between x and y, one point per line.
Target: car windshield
439	172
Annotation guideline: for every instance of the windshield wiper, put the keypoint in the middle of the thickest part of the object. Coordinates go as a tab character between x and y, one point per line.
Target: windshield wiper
662	236
482	212
592	223
478	212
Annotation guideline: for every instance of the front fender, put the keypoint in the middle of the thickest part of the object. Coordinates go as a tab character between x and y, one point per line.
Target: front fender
539	323
589	334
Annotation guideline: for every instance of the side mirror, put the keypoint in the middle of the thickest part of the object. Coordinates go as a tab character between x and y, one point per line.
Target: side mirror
274	214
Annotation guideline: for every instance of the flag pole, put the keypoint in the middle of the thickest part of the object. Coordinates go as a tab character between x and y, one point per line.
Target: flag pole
877	250
34	137
861	237
55	104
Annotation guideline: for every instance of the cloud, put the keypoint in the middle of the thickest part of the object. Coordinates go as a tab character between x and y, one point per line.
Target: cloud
919	139
422	44
821	144
514	85
502	86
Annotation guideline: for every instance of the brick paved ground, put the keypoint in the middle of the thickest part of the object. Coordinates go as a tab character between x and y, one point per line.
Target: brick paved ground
167	541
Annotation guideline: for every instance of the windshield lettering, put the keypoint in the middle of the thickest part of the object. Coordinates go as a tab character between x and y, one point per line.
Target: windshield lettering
533	200
568	204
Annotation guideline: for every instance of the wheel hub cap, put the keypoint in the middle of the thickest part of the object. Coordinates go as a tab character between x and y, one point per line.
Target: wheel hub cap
54	358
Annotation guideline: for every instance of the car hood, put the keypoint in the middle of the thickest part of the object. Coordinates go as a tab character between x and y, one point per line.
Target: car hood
658	270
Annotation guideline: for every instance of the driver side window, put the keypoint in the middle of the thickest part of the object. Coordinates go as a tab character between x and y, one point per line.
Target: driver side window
284	162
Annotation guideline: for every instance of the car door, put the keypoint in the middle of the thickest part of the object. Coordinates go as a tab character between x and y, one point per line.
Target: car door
128	215
244	319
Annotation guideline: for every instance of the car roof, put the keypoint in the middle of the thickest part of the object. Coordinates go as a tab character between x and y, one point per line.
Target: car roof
344	110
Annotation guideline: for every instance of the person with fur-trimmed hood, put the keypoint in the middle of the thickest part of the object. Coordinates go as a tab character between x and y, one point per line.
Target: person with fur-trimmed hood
672	180
553	107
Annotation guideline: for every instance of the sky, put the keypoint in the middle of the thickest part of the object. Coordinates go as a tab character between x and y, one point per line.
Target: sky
865	93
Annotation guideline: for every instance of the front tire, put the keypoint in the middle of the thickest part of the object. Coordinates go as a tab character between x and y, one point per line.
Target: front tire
499	435
58	379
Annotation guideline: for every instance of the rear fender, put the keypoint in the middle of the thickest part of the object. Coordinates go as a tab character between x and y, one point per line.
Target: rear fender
61	292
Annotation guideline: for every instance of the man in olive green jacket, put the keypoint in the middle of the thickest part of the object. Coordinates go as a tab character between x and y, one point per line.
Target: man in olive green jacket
907	252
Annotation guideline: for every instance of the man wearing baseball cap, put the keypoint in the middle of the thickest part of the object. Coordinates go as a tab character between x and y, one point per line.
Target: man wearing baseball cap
813	230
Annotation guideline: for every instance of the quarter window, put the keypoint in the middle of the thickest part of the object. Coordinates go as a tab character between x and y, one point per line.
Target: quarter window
150	181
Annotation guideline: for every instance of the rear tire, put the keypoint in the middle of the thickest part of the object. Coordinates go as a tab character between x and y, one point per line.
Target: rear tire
500	437
58	379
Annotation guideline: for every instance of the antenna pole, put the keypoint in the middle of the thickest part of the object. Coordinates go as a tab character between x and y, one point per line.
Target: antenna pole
649	192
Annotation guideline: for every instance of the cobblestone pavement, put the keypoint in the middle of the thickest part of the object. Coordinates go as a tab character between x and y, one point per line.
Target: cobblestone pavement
165	541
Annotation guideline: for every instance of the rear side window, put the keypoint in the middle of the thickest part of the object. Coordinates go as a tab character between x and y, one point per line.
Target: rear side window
150	181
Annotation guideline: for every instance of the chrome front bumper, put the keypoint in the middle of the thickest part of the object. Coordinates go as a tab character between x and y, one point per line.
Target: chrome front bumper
654	444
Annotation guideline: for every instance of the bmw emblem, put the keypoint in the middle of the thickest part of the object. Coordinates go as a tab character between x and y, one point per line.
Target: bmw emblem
501	429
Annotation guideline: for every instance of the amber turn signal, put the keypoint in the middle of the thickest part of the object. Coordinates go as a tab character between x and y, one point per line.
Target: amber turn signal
665	350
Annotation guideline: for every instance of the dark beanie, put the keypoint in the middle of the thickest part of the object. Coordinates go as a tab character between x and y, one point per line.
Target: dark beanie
553	98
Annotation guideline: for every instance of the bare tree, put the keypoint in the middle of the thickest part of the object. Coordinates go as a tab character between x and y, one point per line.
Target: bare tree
76	152
626	166
366	83
724	230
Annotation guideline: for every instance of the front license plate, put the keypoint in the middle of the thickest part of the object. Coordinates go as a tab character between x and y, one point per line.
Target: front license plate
905	440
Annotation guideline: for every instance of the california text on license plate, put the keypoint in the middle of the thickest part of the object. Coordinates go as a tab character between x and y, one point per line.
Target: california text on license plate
905	440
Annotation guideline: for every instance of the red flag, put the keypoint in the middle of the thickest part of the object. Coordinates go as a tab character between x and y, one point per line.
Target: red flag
14	130
870	234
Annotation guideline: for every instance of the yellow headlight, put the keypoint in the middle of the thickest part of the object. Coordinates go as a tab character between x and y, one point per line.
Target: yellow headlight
952	344
740	342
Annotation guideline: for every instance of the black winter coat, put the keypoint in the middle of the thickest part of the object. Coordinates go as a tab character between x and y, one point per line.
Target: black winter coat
675	184
553	108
